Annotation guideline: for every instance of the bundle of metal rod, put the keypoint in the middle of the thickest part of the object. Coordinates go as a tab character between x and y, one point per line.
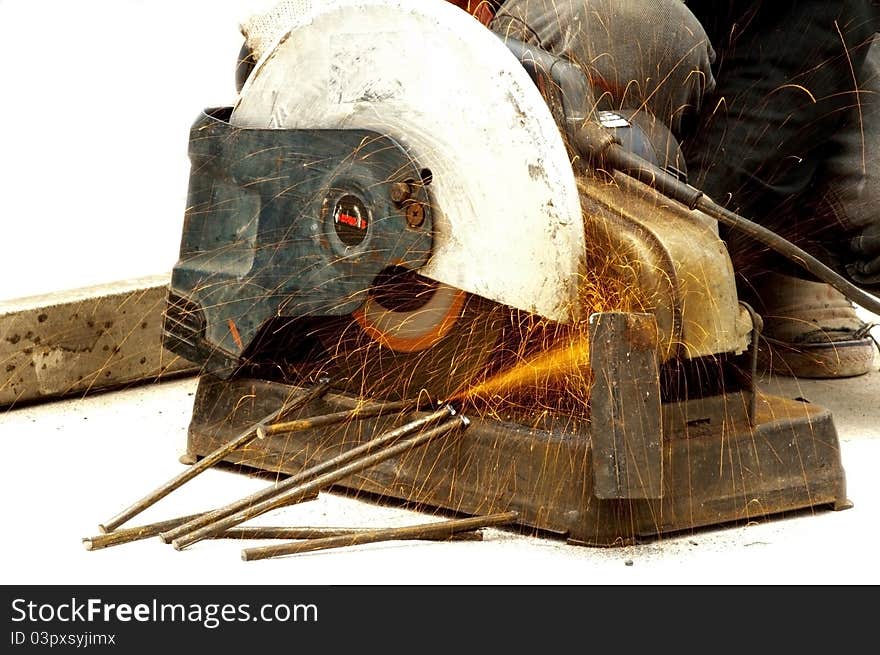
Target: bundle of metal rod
271	532
323	481
308	474
422	531
139	532
218	455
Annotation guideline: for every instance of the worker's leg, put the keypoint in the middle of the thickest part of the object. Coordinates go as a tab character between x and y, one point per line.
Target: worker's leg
814	327
783	125
650	54
848	185
786	81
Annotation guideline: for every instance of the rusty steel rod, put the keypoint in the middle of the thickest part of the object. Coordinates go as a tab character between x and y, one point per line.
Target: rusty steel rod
137	533
219	454
422	531
272	532
134	534
312	472
322	482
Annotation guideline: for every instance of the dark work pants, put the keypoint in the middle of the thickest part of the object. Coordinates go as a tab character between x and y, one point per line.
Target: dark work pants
639	54
780	139
766	98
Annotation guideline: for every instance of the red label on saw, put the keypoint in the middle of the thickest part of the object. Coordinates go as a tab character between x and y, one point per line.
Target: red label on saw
354	221
351	220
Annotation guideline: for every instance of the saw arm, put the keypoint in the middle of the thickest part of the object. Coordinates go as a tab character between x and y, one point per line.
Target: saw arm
480	207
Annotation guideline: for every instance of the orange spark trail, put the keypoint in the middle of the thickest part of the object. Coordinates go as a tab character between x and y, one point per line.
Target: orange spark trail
568	359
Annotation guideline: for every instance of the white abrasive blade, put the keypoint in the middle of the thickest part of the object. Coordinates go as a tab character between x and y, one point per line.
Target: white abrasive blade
507	217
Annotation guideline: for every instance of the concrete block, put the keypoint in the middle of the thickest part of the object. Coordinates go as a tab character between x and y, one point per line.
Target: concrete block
84	340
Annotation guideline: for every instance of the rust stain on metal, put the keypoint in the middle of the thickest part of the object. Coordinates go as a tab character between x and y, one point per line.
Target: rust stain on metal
640	334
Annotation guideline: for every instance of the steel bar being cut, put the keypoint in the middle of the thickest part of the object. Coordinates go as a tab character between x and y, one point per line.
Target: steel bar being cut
322	482
218	455
356	414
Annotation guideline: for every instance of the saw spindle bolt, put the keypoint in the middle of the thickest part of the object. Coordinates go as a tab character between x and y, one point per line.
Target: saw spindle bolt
401	195
401	192
415	214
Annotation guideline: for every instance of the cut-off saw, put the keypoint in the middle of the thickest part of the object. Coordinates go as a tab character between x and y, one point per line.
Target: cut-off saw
417	209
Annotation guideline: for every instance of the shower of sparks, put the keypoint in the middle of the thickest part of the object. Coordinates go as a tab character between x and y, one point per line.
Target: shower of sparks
549	367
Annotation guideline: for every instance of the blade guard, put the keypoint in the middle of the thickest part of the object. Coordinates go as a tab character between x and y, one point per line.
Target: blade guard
508	223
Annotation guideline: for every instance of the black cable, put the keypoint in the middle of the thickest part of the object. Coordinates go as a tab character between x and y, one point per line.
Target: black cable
614	156
789	250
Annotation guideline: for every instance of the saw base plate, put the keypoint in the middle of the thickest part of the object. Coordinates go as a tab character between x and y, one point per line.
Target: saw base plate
717	467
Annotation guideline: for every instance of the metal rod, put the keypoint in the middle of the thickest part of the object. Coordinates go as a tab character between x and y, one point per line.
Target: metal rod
141	532
321	482
269	532
134	534
422	531
312	472
127	535
355	414
202	465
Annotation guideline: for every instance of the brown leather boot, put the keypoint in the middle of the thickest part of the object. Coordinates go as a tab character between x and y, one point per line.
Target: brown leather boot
811	330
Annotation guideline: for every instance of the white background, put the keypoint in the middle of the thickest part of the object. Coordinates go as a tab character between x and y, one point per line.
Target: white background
97	101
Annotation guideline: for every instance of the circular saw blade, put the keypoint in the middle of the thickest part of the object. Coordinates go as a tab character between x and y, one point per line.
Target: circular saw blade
414	336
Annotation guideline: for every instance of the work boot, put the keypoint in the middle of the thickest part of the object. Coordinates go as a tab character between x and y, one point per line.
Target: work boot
810	330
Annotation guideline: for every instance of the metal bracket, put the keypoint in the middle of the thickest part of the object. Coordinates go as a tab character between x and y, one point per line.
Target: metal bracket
627	427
